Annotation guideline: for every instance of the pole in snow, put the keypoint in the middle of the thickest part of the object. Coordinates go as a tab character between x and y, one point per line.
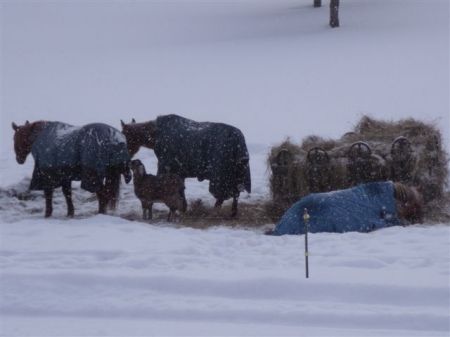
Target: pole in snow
306	220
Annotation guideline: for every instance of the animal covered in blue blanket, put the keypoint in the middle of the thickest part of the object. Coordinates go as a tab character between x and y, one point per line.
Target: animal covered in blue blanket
96	154
363	208
205	150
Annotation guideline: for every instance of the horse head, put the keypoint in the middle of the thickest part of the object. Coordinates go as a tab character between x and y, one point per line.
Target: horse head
409	203
24	136
139	134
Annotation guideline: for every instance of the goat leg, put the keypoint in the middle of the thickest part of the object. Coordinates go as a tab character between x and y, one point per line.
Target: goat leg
234	207
219	203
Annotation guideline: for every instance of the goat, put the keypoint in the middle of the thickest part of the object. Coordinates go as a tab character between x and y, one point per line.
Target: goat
167	188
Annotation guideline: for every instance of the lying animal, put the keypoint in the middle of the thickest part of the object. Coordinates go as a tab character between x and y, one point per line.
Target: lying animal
363	208
166	188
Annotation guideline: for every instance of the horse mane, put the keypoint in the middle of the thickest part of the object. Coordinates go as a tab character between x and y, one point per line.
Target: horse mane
32	129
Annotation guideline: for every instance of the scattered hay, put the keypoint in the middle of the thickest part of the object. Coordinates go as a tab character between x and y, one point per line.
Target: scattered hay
250	215
201	216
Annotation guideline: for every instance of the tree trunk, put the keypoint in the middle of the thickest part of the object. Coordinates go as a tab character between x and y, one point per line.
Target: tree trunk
334	13
317	3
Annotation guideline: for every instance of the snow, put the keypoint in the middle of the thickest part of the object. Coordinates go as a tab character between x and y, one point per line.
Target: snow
172	281
104	275
64	130
272	69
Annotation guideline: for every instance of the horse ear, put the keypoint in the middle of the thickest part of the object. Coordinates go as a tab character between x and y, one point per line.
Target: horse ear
123	123
27	122
14	126
133	120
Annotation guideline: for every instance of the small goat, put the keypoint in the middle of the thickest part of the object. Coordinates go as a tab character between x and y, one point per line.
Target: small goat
167	188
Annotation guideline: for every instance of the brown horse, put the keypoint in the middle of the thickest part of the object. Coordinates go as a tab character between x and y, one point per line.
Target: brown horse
139	134
409	203
203	150
95	154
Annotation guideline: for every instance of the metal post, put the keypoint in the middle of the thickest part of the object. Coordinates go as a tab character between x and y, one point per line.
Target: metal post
306	220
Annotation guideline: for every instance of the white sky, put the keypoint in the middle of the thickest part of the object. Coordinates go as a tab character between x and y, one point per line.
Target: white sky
272	68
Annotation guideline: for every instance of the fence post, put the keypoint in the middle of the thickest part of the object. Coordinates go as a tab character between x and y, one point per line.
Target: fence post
306	220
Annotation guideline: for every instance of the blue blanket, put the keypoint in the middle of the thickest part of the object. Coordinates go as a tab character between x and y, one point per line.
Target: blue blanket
63	152
362	208
213	151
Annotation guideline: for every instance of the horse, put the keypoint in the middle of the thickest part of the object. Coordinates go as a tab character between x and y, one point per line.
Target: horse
95	154
363	208
203	150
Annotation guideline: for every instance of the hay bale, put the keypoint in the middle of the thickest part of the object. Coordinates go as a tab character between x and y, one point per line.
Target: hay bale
407	151
288	173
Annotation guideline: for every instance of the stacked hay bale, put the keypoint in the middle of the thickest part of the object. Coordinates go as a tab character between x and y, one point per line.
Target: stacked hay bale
407	151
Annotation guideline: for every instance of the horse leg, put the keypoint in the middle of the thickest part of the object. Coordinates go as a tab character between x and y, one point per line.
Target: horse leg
171	212
234	207
150	211
317	3
144	210
334	13
102	201
48	193
67	191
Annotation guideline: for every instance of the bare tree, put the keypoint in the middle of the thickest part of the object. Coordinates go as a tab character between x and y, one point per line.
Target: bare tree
334	11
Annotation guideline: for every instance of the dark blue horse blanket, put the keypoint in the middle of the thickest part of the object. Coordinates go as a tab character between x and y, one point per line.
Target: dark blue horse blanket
363	208
213	151
63	152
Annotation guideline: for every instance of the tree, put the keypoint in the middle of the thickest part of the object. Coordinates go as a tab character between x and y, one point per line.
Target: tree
334	11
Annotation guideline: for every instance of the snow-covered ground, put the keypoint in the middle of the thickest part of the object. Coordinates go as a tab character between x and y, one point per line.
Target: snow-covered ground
108	276
104	275
273	69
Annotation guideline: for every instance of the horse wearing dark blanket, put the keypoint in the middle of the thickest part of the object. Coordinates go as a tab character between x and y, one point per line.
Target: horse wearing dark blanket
96	154
213	151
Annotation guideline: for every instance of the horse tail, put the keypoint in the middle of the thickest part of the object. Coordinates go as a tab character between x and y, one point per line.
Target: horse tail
241	160
113	187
